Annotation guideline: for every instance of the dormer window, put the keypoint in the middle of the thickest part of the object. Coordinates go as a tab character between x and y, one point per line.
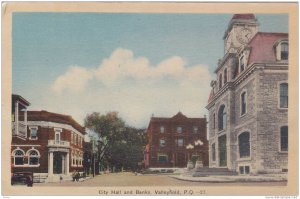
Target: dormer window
284	51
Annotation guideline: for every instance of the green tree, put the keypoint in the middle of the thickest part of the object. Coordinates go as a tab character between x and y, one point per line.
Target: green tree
118	145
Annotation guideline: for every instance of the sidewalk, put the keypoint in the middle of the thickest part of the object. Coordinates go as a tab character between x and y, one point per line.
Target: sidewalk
222	179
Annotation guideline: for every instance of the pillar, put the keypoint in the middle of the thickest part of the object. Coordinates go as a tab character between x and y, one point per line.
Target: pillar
67	164
50	164
63	164
17	118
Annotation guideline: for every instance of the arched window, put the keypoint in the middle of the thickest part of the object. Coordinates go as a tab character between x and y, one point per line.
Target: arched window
244	145
19	157
284	137
33	157
222	118
284	95
243	103
162	129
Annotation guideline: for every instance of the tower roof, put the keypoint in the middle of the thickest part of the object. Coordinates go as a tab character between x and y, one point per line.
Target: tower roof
243	16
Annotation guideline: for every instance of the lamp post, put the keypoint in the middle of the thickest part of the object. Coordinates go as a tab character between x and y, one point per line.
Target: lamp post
93	151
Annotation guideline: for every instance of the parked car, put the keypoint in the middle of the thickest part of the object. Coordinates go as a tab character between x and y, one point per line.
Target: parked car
22	178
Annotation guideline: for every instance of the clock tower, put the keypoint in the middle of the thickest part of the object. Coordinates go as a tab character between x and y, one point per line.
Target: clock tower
241	29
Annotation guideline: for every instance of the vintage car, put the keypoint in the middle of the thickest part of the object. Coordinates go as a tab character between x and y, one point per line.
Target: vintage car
22	178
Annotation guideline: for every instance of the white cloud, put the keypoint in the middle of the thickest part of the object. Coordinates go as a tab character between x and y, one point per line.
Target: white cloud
75	79
133	87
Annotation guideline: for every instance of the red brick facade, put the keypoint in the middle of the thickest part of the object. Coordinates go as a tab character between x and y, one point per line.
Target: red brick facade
174	141
44	142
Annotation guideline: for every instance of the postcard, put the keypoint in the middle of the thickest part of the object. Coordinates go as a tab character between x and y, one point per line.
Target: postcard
149	99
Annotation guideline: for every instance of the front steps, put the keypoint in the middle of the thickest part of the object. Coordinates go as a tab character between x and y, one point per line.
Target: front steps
206	171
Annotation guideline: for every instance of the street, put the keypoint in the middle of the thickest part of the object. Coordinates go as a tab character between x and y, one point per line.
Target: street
130	179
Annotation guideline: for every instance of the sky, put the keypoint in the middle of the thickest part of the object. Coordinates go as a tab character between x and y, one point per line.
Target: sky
136	64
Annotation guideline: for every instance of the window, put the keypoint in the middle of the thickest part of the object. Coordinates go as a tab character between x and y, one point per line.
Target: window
33	157
195	129
179	129
57	137
213	149
244	145
162	158
284	95
214	121
220	81
242	64
244	169
162	129
284	138
225	76
33	133
162	142
284	51
19	157
179	142
75	139
222	118
72	137
243	103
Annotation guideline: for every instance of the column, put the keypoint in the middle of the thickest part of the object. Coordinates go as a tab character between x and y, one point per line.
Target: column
63	164
50	164
17	118
67	164
25	121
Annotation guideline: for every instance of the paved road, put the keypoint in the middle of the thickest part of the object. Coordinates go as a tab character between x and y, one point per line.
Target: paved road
129	179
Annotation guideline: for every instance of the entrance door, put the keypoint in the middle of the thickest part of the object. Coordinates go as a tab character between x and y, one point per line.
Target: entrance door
222	151
181	160
57	163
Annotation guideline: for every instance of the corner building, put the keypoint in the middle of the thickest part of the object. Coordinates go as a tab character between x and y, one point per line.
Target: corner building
172	142
248	104
48	144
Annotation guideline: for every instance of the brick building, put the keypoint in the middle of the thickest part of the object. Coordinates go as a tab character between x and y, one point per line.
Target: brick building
48	144
173	141
248	104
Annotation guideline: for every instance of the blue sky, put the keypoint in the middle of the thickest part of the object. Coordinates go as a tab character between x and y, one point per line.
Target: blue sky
76	63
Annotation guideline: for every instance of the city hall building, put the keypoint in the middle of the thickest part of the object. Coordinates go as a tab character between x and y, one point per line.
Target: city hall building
248	104
48	144
172	142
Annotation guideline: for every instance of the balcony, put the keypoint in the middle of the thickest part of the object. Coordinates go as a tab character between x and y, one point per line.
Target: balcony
58	143
19	130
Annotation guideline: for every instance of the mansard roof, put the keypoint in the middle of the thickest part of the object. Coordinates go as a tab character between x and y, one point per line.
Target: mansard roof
54	117
261	46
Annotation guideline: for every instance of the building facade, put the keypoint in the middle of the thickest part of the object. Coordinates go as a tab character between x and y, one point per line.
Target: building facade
248	104
48	144
172	142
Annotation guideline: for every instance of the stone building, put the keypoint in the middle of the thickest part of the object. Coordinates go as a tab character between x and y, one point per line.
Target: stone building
248	104
173	141
48	144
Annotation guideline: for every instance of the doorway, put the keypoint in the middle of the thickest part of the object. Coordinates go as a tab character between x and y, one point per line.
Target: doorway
222	151
57	163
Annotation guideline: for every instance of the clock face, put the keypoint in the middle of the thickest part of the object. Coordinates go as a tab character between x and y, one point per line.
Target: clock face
244	36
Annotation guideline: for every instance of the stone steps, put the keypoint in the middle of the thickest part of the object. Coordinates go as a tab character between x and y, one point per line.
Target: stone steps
206	171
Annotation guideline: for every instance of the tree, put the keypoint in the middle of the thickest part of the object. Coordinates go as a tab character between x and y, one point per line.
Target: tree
119	146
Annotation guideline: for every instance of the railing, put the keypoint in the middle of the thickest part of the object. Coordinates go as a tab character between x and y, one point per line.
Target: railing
22	129
58	143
